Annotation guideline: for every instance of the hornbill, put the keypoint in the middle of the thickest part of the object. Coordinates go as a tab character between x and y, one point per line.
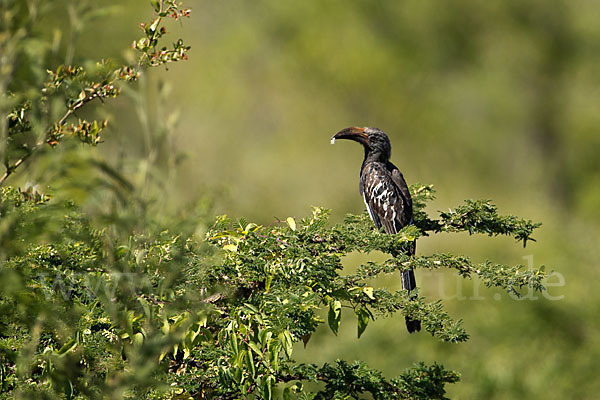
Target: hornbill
384	192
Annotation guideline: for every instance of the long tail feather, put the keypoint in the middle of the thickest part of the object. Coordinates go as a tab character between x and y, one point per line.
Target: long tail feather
409	283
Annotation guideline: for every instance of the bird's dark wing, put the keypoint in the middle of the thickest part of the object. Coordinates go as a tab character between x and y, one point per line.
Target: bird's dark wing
398	179
383	198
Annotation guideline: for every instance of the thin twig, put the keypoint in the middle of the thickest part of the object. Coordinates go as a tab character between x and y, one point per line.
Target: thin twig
70	111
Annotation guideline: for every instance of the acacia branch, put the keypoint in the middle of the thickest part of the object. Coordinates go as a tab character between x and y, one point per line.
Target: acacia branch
10	169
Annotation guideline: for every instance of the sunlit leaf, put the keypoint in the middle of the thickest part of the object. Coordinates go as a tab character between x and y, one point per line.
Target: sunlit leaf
292	223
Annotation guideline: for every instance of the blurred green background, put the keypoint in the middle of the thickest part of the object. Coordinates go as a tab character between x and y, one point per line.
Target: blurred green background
497	100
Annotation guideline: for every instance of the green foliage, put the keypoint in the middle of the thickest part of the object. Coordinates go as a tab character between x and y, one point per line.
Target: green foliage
105	301
475	216
41	116
345	380
275	279
131	312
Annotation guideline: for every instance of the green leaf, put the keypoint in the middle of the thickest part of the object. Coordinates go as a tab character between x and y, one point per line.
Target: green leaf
138	339
234	343
264	336
250	363
237	375
274	357
363	320
162	355
369	292
286	341
230	247
68	346
255	347
334	315
267	387
69	389
292	223
268	283
252	308
239	361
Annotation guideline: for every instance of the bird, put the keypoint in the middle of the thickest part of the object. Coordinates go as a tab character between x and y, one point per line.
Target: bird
384	192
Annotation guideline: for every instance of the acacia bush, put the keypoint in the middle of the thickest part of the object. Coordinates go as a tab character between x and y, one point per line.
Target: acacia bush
218	318
112	302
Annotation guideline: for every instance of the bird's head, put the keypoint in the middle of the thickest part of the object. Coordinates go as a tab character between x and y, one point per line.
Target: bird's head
374	140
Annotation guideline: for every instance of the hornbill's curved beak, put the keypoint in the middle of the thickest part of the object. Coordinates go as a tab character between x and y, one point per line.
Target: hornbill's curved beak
353	133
